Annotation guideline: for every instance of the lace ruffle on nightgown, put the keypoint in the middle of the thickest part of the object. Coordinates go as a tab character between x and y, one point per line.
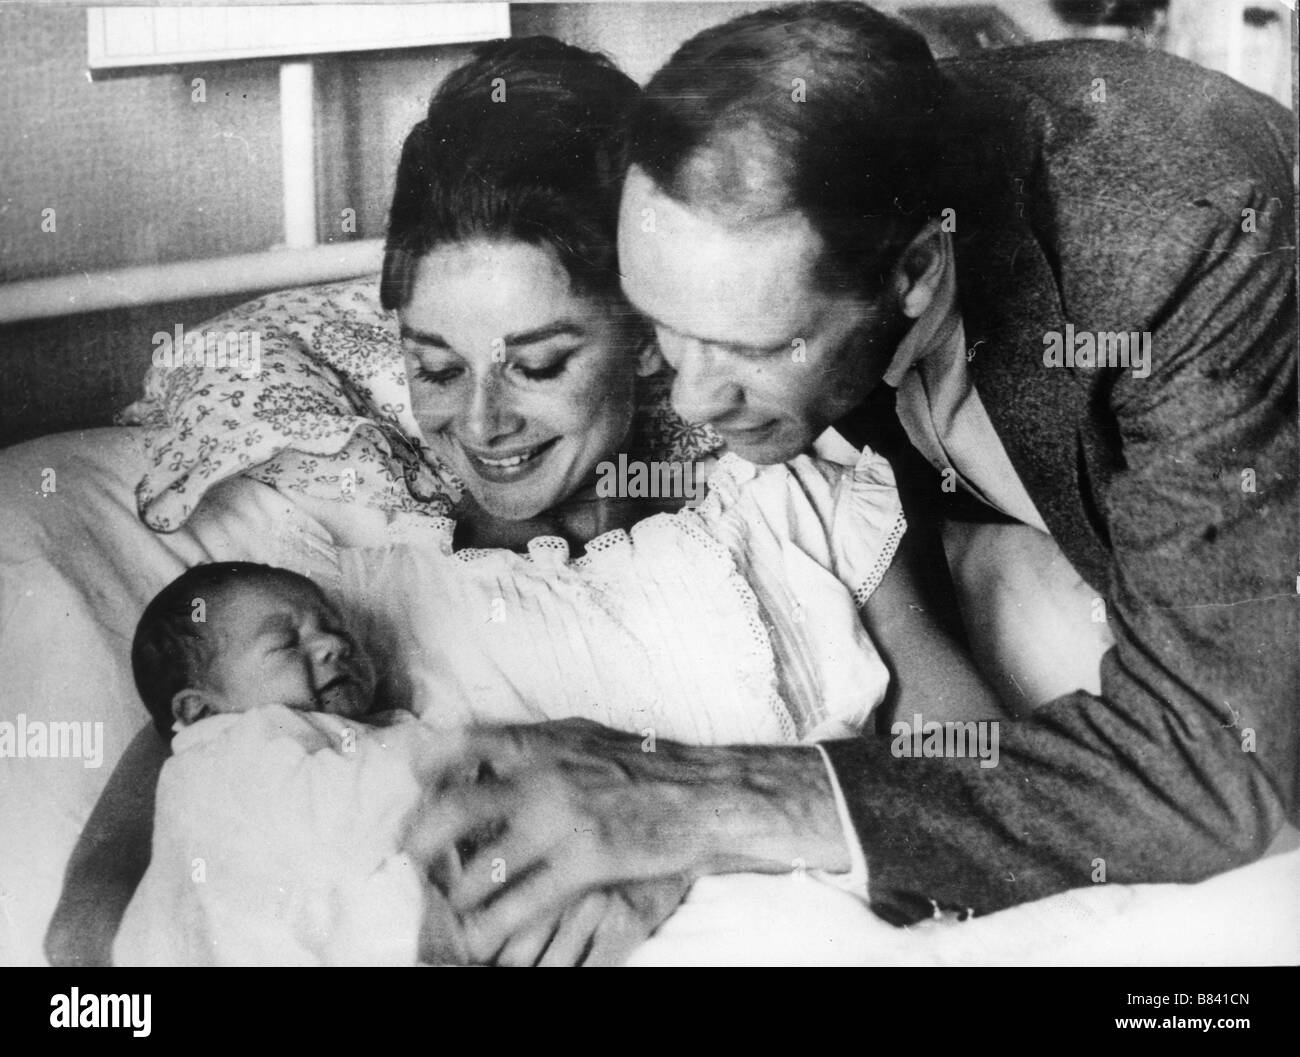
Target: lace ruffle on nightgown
735	621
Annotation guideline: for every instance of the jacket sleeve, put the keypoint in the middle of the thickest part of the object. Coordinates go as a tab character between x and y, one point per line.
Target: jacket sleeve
1186	764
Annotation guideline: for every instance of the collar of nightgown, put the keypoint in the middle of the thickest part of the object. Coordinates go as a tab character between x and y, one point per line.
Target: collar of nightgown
940	409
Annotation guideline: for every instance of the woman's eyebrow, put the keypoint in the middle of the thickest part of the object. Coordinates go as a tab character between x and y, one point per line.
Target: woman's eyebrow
433	341
560	329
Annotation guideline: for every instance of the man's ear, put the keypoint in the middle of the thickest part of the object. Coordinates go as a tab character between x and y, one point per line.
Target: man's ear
191	705
649	360
920	269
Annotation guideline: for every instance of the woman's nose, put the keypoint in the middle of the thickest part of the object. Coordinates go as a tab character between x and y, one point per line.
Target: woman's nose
489	416
701	390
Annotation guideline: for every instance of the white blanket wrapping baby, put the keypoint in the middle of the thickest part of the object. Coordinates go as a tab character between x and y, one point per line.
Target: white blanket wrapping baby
276	842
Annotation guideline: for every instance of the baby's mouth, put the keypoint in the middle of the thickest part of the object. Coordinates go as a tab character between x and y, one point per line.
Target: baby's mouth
342	696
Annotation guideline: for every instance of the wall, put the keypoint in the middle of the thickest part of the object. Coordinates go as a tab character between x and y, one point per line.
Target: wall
638	36
641	36
135	170
139	172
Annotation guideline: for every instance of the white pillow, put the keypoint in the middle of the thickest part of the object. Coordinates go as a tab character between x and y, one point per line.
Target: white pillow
303	389
76	570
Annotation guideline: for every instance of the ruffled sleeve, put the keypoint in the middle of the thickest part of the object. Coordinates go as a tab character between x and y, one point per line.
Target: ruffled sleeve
867	526
848	518
813	537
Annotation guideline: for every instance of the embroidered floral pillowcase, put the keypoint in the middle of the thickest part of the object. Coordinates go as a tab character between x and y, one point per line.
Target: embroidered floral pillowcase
306	391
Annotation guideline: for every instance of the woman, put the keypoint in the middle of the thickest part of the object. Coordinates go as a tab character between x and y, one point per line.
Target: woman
522	354
523	362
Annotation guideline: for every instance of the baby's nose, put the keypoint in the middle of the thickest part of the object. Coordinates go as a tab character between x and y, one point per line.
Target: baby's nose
329	646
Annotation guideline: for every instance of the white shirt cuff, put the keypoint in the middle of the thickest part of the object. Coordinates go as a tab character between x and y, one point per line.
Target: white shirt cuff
855	881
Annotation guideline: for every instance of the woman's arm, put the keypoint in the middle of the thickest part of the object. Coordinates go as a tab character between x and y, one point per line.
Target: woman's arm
109	859
1038	630
931	673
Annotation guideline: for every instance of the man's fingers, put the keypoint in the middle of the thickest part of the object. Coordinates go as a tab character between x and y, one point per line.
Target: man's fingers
524	948
453	814
536	897
654	900
495	866
616	936
578	927
486	875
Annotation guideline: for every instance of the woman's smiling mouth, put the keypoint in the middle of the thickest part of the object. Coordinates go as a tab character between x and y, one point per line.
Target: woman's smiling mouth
500	468
749	437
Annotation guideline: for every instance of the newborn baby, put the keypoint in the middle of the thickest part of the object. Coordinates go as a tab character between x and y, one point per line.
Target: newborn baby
281	813
231	637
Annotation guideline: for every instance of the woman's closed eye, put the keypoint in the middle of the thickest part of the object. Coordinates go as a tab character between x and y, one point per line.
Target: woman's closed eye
546	371
444	376
541	372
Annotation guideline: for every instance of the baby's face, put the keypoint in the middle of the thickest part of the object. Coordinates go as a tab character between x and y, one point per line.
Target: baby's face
280	642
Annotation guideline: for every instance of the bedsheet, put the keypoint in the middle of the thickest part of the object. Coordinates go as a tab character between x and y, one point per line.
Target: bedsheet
1248	916
77	567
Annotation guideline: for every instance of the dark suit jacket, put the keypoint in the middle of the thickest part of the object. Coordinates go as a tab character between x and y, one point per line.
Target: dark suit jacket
1123	215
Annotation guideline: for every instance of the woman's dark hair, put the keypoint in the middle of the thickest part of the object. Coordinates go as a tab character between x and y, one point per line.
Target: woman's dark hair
524	142
850	102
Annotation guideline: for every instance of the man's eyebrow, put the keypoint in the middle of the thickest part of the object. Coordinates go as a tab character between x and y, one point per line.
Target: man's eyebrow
739	346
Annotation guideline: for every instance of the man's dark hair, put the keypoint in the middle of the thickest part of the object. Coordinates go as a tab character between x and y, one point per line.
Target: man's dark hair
172	651
525	142
854	157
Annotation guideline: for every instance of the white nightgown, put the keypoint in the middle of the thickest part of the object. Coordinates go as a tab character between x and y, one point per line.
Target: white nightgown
735	621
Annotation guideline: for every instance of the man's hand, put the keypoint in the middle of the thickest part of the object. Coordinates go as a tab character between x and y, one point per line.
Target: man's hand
571	807
601	929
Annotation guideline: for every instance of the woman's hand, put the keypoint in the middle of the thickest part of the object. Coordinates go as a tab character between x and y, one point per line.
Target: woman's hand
572	807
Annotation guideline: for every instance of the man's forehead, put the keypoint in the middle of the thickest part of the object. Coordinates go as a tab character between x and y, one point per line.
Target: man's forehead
741	176
723	277
752	216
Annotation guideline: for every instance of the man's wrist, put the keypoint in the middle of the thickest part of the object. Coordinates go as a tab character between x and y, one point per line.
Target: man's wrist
769	809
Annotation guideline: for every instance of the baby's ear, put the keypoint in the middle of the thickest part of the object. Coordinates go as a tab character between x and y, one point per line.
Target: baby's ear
191	705
649	360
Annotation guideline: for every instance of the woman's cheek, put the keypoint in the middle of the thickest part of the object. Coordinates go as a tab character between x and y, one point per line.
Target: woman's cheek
607	391
431	410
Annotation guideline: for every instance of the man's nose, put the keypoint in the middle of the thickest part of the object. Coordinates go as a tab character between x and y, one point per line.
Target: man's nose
490	415
702	390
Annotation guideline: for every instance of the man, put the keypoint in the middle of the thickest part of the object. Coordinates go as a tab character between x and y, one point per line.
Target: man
818	219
